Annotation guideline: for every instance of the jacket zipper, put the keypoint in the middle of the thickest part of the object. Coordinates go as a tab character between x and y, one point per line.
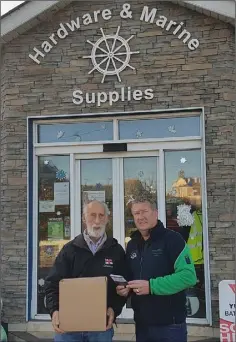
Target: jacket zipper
141	267
141	260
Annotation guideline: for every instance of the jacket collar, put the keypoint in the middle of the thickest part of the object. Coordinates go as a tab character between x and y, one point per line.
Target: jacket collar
155	233
79	241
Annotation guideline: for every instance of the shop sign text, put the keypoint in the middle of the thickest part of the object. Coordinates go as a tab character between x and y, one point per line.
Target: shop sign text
124	94
111	53
148	15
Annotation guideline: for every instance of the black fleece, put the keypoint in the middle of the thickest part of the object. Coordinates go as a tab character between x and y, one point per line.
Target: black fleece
75	260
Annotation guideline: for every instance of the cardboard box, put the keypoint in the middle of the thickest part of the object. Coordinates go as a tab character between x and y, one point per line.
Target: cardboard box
83	304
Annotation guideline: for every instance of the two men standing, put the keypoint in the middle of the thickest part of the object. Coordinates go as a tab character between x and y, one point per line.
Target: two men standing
158	268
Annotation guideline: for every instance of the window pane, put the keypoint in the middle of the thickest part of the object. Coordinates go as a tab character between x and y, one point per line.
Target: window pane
96	183
53	215
159	128
75	132
183	186
140	179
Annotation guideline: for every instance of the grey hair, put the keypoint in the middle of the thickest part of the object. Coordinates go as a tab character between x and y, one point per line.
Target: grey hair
143	199
107	211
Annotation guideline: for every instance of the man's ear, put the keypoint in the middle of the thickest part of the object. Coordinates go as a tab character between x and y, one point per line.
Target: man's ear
83	218
106	219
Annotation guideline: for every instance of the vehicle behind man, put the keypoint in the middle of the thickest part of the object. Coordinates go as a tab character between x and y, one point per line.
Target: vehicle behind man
86	256
160	269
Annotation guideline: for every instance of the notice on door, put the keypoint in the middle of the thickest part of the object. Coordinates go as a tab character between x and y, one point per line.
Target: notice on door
94	196
46	206
227	291
61	193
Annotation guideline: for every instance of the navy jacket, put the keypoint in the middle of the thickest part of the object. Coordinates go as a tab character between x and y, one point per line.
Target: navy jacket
151	260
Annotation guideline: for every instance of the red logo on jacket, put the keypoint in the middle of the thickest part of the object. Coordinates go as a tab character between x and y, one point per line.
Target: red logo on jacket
108	262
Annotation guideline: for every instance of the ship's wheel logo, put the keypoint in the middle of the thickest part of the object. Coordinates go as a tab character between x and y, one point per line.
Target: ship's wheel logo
111	54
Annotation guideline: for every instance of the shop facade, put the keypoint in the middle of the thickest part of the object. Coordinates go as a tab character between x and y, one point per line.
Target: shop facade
110	101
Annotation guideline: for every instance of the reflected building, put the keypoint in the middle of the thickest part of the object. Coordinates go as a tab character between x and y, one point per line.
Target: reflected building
187	187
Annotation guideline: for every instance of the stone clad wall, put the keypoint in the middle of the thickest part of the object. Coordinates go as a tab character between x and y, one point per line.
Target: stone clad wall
180	78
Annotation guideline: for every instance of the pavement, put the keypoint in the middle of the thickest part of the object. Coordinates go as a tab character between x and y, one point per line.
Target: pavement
47	337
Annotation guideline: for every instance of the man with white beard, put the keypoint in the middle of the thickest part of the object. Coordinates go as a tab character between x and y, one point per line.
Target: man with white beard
90	254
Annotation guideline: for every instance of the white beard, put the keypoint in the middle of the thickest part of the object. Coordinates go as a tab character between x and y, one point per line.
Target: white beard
95	232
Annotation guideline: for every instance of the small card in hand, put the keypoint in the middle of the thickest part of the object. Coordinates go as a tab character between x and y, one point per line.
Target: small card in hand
118	279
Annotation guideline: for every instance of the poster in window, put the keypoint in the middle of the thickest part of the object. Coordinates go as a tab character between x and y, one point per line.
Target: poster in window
94	195
61	193
47	255
46	206
55	228
67	227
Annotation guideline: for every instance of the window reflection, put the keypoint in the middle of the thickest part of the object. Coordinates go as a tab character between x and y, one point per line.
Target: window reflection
140	179
183	186
53	215
75	132
159	128
96	183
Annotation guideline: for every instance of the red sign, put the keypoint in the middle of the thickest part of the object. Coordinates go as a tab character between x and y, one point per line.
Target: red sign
233	287
227	331
227	310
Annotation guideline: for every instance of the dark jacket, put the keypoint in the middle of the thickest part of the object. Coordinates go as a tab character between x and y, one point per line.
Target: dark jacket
165	261
75	260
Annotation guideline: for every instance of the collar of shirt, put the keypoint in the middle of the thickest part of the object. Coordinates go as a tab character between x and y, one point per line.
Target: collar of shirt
94	246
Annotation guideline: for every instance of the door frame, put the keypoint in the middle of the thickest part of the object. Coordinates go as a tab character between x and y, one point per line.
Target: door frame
95	149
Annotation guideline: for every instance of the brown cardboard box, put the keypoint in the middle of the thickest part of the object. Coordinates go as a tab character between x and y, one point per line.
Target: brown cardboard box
83	304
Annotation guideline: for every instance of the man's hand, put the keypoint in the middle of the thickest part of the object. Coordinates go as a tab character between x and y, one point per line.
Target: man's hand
111	317
140	287
122	291
55	322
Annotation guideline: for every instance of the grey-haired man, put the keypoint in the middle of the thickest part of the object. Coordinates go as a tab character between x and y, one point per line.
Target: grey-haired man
87	256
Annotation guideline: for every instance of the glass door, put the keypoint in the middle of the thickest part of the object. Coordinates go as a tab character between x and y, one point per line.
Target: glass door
116	180
96	183
139	178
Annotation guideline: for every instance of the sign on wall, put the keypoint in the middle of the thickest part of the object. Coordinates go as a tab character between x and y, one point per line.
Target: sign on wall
110	53
227	292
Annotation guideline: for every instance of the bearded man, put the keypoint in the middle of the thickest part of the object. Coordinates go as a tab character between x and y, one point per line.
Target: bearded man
90	254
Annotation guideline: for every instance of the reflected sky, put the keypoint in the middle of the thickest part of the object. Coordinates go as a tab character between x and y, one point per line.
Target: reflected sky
96	171
128	129
61	163
143	168
75	132
159	128
100	170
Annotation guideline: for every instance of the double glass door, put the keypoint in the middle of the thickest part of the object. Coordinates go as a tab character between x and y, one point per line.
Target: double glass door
116	181
65	182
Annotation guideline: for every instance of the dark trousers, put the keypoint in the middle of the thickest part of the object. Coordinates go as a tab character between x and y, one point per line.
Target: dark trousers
167	333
